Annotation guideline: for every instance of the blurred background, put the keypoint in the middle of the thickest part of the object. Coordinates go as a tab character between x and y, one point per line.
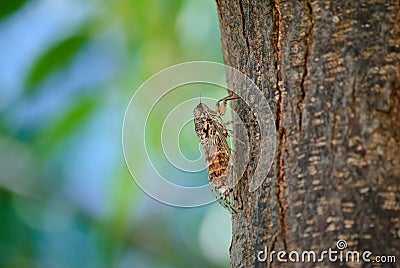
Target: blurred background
68	69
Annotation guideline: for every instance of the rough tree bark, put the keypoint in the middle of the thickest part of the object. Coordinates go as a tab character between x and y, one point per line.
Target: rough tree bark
331	73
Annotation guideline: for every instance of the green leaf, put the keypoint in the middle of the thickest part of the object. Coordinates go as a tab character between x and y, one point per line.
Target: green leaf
63	127
59	56
7	7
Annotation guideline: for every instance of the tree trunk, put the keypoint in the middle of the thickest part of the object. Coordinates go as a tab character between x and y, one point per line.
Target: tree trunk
331	73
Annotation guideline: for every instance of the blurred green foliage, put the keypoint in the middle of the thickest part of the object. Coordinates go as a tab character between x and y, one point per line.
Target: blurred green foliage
68	70
59	56
8	7
73	119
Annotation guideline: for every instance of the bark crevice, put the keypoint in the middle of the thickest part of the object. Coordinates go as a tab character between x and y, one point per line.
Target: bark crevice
281	187
309	40
244	31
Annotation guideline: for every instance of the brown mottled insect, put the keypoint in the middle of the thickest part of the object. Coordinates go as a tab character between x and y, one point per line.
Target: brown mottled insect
213	134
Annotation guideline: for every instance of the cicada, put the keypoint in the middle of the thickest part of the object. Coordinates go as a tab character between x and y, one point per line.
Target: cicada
213	134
